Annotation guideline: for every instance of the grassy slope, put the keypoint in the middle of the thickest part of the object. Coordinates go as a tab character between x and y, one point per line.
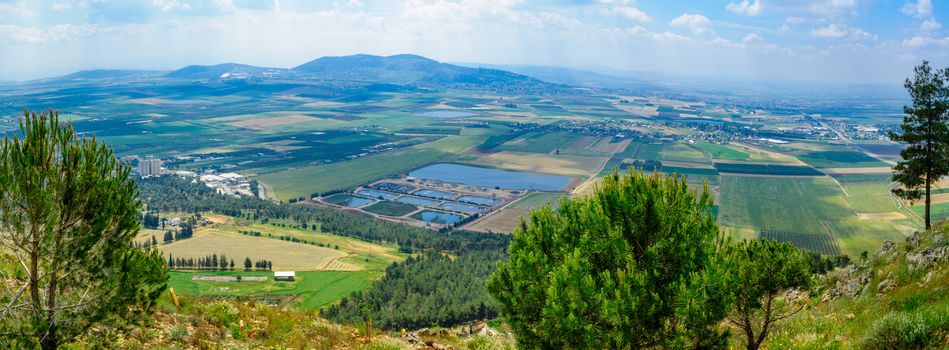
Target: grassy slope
919	304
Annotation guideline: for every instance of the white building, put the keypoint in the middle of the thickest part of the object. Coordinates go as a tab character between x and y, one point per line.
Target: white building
284	275
149	167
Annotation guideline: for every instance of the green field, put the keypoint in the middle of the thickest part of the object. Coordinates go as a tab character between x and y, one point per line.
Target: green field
644	151
313	289
537	199
680	152
722	151
840	159
869	193
803	206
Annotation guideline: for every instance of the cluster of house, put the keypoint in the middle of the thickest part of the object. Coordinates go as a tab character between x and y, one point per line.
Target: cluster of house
231	184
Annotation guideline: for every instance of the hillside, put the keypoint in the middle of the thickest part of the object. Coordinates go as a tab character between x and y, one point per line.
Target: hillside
208	324
897	298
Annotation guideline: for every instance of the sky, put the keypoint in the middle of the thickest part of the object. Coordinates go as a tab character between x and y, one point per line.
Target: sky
830	41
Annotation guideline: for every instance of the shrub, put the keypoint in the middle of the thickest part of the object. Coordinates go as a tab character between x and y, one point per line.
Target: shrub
901	330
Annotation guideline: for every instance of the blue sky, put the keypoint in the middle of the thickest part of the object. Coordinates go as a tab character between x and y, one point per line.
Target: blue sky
831	41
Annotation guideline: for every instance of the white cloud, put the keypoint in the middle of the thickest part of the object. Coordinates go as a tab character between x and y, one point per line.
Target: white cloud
784	28
31	35
930	25
925	41
698	24
19	9
630	12
61	6
745	7
794	20
922	8
171	5
842	31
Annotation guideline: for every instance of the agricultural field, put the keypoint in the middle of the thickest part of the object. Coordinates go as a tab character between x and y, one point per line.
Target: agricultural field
812	205
311	289
639	150
508	218
817	243
328	267
767	169
840	159
285	255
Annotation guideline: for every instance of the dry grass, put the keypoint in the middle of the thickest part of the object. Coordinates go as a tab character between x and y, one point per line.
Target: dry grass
502	221
285	255
893	215
544	163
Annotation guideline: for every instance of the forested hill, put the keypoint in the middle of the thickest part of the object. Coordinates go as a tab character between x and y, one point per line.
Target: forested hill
407	71
419	71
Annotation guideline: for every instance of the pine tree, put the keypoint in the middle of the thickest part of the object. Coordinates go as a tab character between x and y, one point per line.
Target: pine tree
69	212
616	269
757	273
924	130
248	264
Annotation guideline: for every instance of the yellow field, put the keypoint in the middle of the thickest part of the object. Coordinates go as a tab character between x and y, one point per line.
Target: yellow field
502	221
544	163
284	255
351	246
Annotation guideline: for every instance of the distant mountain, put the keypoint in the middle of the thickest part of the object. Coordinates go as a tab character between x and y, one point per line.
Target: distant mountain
401	71
226	71
97	74
420	71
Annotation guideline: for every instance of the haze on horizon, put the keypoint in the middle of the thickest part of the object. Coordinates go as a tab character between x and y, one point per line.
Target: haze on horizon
832	41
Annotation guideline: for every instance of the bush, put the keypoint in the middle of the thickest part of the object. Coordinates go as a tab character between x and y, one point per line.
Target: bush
222	313
901	330
177	333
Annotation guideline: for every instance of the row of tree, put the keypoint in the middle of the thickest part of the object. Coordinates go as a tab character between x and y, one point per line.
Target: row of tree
214	263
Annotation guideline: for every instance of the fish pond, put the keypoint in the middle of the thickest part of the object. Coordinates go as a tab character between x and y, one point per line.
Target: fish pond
438	217
487	177
418	201
434	194
478	200
464	208
348	200
377	194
